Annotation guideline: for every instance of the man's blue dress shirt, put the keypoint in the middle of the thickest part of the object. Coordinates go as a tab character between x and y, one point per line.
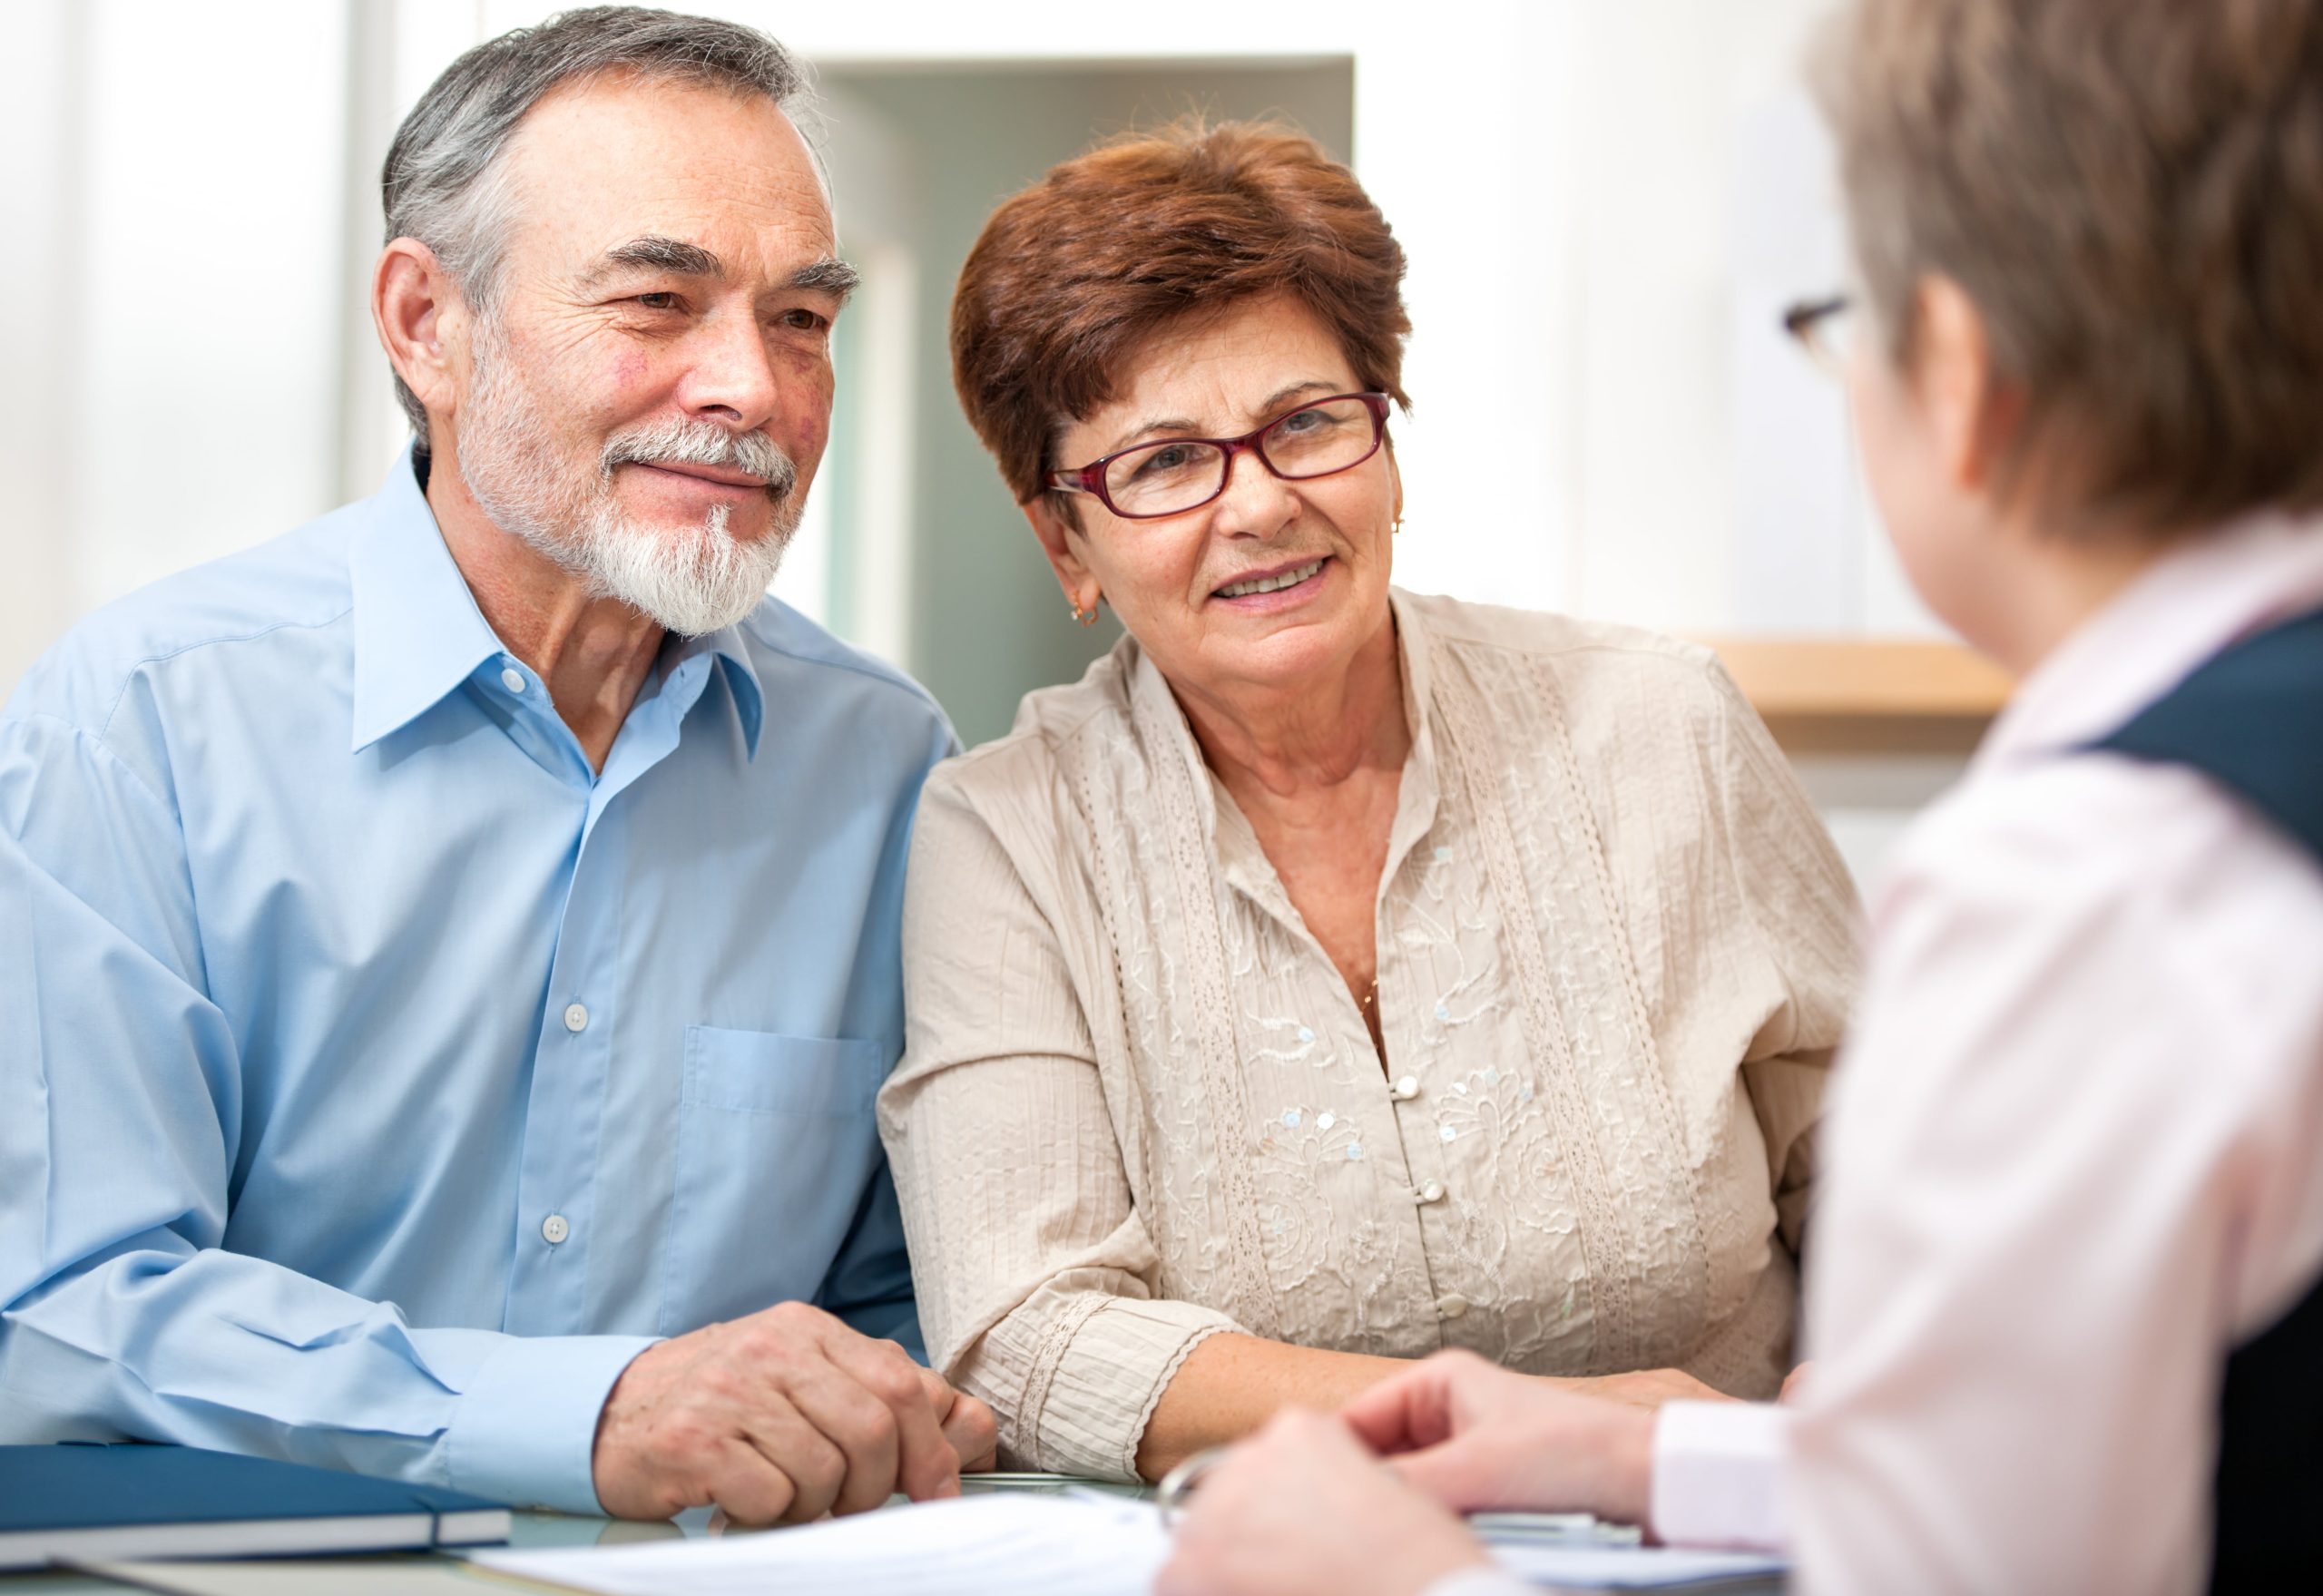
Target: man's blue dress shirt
376	1079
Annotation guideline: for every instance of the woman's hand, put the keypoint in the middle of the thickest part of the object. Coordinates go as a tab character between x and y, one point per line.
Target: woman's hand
1303	1508
1646	1388
1475	1437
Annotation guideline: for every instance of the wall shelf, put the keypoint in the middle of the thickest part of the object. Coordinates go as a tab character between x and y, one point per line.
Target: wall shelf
1866	696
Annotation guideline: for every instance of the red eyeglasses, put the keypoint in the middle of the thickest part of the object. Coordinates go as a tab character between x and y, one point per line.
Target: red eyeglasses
1173	476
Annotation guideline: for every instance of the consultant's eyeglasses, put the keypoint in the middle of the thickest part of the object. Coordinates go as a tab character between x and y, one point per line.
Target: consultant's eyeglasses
1822	328
1173	476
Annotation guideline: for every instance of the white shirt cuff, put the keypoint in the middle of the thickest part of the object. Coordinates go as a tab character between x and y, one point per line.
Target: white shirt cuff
1720	1476
1481	1580
526	1429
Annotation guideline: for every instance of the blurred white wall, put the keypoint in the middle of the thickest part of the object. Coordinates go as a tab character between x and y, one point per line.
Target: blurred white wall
1598	217
177	279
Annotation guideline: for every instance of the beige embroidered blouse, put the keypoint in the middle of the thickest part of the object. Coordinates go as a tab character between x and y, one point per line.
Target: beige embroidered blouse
1137	1104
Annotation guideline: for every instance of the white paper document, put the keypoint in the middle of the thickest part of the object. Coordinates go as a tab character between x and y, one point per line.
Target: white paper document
1005	1545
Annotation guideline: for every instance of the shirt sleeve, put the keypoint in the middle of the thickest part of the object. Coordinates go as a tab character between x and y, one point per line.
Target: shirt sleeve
1482	1581
2087	1058
1801	903
1036	1275
124	1314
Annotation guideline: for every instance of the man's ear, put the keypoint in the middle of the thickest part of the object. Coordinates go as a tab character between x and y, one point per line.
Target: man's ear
1971	414
1061	542
421	320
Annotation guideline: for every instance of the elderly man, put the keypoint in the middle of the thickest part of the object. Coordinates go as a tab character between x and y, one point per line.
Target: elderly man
451	948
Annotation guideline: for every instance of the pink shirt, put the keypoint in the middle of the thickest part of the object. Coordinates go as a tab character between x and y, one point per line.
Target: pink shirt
2075	1151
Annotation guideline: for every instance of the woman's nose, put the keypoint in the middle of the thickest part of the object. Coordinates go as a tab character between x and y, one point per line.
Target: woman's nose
1256	503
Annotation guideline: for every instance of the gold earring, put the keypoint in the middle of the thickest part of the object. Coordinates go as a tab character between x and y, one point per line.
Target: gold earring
1087	617
1399	527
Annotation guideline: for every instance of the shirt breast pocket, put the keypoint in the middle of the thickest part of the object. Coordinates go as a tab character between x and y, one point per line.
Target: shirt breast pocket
776	1140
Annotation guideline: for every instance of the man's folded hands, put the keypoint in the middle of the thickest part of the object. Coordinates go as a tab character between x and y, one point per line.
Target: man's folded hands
780	1418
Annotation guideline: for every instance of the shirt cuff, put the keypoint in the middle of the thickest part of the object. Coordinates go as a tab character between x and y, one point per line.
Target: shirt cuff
1720	1474
1481	1580
527	1430
1092	1415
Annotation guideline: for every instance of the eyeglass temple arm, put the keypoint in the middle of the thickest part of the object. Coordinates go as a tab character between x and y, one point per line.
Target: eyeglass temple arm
1797	318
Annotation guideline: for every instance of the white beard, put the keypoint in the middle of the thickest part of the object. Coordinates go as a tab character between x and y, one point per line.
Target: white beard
692	582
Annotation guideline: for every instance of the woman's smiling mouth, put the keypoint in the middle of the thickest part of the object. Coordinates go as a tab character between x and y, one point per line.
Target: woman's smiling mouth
1268	581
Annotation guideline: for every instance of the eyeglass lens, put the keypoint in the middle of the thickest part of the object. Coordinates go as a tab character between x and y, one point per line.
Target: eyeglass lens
1178	475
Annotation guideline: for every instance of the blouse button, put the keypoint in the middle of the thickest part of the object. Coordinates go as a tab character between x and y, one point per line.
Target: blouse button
1406	1089
1431	1192
1452	1306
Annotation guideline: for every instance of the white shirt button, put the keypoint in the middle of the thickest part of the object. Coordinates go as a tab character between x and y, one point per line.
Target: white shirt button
1452	1306
513	680
554	1229
1405	1088
1431	1192
576	1017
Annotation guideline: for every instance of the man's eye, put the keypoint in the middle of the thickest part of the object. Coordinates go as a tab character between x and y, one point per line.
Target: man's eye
659	300
805	320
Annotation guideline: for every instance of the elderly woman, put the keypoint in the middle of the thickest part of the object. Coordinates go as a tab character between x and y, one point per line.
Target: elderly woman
1333	975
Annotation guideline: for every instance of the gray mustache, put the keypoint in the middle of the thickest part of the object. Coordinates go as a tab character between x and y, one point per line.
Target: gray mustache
704	443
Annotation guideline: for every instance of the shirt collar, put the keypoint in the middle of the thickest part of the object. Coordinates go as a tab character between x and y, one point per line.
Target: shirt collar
418	634
726	646
2189	605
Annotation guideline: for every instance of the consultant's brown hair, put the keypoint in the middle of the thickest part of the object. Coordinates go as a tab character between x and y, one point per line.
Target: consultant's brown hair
2132	193
1077	274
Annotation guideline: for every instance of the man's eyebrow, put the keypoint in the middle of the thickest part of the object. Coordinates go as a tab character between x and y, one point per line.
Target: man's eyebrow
830	275
655	253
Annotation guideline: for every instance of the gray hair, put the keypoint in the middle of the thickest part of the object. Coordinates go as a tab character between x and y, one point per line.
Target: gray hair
443	182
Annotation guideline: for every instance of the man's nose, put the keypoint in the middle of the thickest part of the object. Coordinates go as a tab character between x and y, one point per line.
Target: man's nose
732	377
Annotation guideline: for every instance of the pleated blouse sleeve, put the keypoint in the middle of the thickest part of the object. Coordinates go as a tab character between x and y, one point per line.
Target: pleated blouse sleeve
1036	1273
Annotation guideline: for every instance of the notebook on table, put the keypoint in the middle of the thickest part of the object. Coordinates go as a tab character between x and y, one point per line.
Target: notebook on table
78	1504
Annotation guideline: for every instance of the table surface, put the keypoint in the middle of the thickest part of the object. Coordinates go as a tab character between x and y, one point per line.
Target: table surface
409	1575
537	1531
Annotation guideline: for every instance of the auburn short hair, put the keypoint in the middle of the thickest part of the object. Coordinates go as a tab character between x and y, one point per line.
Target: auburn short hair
1075	276
2132	193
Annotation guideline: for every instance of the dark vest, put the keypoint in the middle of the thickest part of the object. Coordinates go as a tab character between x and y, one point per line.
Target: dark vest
2252	719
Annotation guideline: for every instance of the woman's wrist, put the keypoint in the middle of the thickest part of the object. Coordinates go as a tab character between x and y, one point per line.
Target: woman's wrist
1624	1449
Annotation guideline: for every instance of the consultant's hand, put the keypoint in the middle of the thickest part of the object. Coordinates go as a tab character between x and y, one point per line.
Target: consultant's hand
1303	1510
779	1418
1475	1437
